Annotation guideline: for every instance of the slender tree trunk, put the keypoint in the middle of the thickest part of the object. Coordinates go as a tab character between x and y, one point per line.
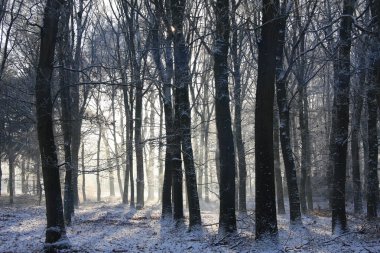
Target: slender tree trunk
285	137
54	212
83	176
304	165
277	167
342	88
109	165
116	147
357	106
227	167
77	112
266	221
98	187
23	188
39	186
150	166
11	162
242	167
64	82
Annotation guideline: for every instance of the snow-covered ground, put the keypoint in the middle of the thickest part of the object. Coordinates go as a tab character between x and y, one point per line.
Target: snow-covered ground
112	227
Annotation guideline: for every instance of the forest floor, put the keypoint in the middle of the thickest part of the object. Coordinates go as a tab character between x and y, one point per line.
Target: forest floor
113	227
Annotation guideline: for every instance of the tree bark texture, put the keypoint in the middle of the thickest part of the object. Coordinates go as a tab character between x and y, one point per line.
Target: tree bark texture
226	155
266	220
54	211
182	80
340	125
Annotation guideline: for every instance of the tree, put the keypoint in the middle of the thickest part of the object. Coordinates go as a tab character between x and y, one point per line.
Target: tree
64	81
227	216
266	221
182	80
237	111
284	110
55	231
340	124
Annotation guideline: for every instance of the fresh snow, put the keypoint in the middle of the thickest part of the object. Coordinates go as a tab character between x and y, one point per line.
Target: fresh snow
113	227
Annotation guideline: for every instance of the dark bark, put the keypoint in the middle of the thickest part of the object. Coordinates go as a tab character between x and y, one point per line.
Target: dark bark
303	150
266	221
11	180
64	83
165	77
77	110
286	147
242	167
340	125
54	212
277	167
227	167
139	144
1	174
182	81
357	105
372	175
83	175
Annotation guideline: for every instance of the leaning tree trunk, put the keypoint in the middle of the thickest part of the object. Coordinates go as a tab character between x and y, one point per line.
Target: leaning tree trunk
266	221
44	109
340	125
226	155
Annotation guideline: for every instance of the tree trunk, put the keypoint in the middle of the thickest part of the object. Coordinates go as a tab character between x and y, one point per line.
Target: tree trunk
1	176
54	212
266	221
372	175
23	179
150	166
355	126
83	176
64	82
340	125
116	147
277	167
109	165
357	106
183	111
285	137
11	163
98	187
237	111
227	167
169	179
